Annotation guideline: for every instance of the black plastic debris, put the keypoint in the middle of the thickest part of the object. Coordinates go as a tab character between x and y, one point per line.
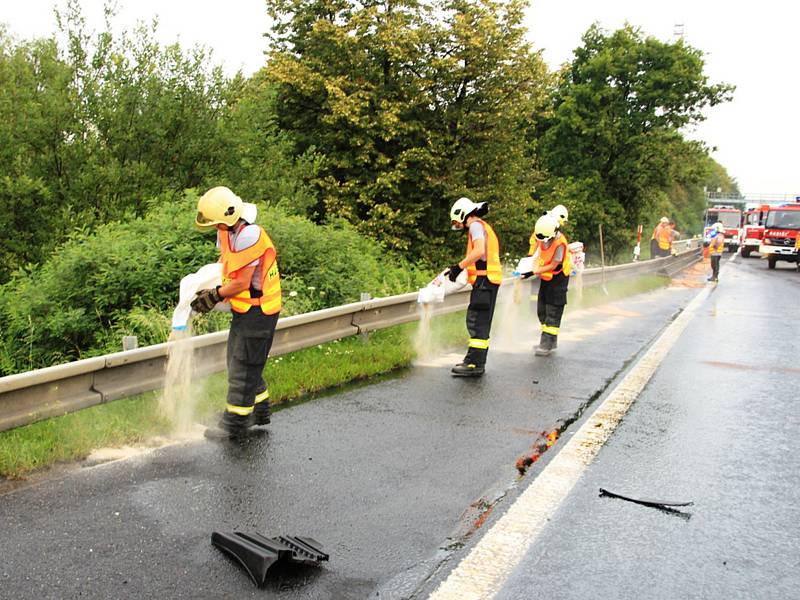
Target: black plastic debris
645	502
257	553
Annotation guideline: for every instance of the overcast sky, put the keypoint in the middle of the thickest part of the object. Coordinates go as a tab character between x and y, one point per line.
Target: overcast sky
755	48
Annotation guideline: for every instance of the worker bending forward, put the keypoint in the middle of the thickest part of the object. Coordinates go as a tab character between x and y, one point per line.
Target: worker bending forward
484	272
553	266
251	284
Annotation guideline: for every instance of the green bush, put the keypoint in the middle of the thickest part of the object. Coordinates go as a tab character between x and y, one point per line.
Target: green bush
123	279
333	264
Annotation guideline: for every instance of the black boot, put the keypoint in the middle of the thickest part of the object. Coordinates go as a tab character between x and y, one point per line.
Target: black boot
230	427
262	413
546	345
468	370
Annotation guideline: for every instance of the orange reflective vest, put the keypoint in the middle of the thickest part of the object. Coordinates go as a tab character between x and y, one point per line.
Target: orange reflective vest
494	271
546	256
717	244
663	235
264	251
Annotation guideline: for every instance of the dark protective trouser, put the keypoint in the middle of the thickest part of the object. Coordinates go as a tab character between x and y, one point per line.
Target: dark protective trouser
549	316
479	320
550	303
249	343
715	258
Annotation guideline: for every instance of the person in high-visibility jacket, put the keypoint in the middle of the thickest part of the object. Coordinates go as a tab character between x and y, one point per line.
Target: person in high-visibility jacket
661	241
251	284
484	272
716	246
553	265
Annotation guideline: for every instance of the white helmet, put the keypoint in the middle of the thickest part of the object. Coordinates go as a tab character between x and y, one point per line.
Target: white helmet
464	207
719	227
664	220
545	228
560	213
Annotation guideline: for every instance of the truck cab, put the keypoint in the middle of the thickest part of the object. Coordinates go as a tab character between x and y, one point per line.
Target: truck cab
731	219
781	231
752	232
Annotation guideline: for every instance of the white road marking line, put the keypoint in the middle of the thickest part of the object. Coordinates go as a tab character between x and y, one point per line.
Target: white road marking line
481	574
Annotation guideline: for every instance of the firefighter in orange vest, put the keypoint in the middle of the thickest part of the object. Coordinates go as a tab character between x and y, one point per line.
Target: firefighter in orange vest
715	249
661	241
553	266
484	272
251	284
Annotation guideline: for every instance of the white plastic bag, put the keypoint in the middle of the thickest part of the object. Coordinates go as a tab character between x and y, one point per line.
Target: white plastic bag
208	276
441	285
525	265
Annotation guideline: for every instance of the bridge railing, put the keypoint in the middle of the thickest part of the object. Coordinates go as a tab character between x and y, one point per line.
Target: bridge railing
61	389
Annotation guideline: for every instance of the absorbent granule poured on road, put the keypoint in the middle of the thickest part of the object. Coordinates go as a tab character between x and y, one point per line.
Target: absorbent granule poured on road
513	328
693	276
423	339
177	402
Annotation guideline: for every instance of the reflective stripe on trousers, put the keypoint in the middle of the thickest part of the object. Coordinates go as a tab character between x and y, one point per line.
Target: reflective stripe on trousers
549	316
482	300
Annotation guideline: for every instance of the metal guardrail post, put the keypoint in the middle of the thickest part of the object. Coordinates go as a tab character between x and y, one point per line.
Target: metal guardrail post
61	389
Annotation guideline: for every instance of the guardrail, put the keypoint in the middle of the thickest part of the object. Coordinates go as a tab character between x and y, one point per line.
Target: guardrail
61	389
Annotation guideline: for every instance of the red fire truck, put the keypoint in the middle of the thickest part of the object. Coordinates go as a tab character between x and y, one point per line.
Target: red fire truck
755	215
731	219
781	232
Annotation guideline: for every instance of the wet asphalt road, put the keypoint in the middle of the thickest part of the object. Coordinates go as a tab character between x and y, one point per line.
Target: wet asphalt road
386	476
717	425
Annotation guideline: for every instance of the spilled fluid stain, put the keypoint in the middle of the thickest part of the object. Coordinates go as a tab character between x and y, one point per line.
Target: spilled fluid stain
540	446
617	311
578	333
746	367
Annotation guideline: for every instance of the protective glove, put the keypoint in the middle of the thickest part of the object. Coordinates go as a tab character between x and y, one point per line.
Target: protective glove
206	300
526	275
453	272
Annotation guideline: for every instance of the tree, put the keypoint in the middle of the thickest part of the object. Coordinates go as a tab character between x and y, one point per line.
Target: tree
412	105
92	126
259	161
614	137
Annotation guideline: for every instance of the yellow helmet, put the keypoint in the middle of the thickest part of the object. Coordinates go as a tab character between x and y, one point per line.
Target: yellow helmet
545	228
560	213
217	206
